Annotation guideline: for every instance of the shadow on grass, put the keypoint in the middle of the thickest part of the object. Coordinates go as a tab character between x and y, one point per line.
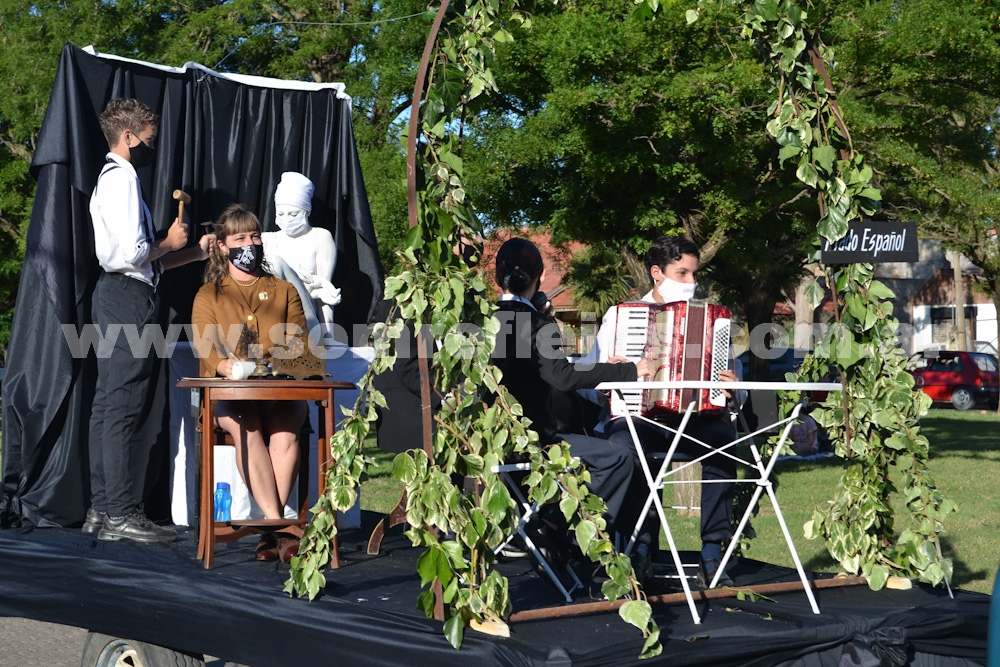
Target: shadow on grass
961	434
382	468
962	574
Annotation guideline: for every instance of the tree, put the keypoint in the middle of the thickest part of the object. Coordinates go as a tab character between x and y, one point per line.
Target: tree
371	46
614	130
920	81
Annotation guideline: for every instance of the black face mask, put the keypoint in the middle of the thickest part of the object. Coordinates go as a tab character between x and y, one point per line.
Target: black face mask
141	155
247	258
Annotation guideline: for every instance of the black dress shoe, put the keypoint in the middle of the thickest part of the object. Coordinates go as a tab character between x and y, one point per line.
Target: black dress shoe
135	527
93	523
707	572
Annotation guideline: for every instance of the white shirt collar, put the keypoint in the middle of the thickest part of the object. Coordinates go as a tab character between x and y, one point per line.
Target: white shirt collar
515	297
122	162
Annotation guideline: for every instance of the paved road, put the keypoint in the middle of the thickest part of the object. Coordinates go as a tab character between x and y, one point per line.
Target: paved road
25	643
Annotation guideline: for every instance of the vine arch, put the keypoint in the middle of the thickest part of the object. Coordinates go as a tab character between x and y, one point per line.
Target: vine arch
875	426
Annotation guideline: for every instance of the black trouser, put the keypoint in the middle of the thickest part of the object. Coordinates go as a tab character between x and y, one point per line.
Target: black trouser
614	477
716	497
123	386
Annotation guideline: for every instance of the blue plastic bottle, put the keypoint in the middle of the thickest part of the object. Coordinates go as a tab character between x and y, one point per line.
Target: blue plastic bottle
223	501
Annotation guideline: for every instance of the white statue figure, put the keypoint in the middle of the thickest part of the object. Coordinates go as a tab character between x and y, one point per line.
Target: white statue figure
309	251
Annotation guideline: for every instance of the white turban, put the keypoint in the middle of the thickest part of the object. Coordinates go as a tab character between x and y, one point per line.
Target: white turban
294	190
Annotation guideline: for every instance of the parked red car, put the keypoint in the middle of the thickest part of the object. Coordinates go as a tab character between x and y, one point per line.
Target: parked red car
964	379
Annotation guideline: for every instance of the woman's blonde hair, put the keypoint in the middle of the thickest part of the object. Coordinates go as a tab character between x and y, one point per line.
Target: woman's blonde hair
236	219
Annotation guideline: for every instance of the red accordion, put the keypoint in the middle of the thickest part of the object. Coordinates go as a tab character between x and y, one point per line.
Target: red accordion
684	340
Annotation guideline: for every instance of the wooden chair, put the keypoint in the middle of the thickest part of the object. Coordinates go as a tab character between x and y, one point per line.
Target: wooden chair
228	531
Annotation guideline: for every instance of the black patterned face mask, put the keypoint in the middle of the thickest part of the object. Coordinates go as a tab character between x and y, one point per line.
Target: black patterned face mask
247	258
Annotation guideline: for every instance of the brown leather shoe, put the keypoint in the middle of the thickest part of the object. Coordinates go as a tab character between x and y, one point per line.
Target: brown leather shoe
288	547
267	548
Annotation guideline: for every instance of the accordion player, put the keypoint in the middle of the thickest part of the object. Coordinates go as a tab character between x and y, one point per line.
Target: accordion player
684	340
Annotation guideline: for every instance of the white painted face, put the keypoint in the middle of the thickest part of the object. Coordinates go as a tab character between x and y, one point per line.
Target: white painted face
291	219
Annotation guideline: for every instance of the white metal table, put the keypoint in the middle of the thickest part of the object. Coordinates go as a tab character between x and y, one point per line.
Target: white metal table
760	470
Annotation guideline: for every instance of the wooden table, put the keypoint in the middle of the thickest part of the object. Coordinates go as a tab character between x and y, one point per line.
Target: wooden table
219	389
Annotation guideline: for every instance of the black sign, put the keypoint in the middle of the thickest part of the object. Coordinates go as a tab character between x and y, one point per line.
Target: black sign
873	242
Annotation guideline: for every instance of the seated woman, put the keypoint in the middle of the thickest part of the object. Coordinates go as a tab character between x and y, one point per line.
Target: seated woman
241	313
804	434
538	374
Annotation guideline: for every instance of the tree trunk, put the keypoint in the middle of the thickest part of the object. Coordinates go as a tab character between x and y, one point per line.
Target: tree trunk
637	270
759	310
687	497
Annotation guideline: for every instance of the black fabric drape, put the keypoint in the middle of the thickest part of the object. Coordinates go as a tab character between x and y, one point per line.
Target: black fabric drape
220	141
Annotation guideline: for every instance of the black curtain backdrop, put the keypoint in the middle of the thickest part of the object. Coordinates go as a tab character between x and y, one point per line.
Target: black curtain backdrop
221	139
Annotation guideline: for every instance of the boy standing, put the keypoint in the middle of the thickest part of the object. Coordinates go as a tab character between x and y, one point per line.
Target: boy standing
131	260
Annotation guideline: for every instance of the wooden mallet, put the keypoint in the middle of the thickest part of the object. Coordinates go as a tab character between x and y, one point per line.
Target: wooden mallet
182	198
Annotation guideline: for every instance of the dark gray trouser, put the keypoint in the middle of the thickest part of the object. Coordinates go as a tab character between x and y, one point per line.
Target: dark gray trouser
123	386
716	498
614	477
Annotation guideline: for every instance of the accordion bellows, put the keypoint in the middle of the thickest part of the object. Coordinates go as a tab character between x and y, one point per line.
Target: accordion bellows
684	340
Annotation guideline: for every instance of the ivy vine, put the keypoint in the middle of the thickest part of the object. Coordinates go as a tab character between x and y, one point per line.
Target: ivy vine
479	425
875	422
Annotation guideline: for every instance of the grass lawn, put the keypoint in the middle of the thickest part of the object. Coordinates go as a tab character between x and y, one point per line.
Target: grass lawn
965	462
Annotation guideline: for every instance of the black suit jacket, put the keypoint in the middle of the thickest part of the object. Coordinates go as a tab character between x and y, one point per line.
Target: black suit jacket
537	372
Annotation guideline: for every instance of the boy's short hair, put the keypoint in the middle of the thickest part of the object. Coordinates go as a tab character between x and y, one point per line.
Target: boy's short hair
125	113
669	249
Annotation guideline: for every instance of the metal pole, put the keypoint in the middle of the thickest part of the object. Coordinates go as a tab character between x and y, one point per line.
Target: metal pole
411	201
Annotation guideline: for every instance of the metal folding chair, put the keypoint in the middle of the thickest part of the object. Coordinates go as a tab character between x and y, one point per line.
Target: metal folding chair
529	514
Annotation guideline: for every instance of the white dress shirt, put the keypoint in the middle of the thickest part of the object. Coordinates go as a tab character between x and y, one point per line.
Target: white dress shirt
123	226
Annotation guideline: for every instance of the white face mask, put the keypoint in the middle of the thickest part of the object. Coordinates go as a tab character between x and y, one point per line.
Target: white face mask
671	290
292	220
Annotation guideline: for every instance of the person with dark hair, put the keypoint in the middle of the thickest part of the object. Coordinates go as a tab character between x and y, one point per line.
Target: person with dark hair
538	374
672	262
131	259
804	434
241	313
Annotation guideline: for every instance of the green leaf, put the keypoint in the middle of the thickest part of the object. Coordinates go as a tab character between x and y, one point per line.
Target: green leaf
824	157
636	612
807	173
568	506
586	531
814	294
427	566
788	151
691	16
652	646
880	291
877	577
767	10
403	468
454	630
